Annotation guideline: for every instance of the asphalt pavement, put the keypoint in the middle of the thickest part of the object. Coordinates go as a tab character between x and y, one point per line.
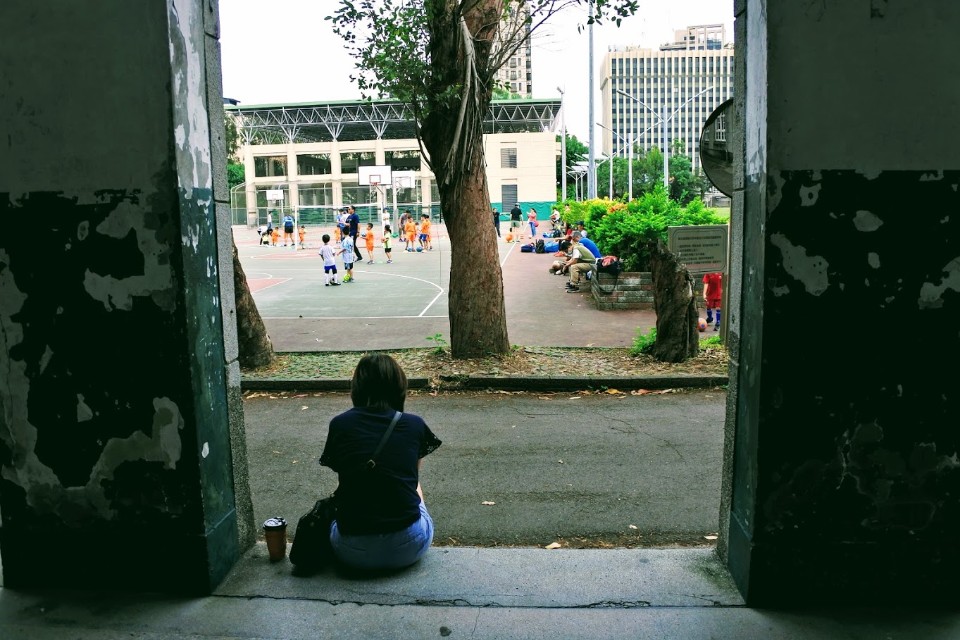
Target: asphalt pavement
579	468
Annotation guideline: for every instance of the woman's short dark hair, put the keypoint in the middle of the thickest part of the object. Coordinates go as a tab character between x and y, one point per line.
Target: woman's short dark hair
378	383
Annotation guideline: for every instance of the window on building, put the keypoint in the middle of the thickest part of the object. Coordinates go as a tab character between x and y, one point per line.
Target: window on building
313	164
508	158
364	199
508	196
513	75
315	195
407	160
269	166
351	160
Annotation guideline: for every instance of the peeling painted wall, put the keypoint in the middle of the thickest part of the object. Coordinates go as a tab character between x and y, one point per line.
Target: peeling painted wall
113	391
846	471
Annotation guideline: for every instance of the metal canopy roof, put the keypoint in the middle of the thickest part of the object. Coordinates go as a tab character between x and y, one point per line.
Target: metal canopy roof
371	120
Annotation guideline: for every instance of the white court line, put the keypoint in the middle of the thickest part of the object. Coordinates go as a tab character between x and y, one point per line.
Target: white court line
435	298
259	275
509	251
397	275
270	285
347	317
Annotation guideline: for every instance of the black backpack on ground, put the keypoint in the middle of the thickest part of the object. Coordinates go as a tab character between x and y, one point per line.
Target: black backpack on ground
539	248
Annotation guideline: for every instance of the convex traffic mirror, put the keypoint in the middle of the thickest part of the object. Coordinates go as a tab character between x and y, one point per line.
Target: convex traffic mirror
716	150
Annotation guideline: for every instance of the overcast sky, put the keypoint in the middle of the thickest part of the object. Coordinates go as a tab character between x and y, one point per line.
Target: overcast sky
284	51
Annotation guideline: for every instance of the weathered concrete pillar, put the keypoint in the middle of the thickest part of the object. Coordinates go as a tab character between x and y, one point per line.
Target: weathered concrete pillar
846	476
115	439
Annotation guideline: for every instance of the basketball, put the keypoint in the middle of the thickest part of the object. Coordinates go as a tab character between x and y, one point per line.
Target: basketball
701	324
509	237
419	249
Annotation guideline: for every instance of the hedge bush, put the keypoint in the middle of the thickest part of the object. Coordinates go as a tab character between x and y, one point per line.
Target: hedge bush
628	230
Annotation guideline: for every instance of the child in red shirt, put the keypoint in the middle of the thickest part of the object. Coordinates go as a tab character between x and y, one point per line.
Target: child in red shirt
712	294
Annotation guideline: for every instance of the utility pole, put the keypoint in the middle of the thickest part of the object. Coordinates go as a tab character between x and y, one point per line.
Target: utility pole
592	160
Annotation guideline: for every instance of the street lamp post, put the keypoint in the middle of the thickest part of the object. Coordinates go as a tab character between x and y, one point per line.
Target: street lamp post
591	157
563	150
620	138
663	124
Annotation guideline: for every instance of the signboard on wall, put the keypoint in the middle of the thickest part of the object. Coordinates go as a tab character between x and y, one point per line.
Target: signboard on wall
274	194
702	248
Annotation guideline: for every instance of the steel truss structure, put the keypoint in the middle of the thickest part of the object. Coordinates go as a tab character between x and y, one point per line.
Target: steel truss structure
372	120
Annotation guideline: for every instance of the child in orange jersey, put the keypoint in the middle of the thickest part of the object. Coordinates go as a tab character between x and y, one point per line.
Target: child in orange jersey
425	232
336	234
409	233
275	236
370	242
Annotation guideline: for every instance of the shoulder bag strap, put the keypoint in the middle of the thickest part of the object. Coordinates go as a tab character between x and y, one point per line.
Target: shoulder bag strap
371	463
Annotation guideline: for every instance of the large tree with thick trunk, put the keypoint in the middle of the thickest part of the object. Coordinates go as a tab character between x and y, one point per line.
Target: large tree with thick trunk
440	57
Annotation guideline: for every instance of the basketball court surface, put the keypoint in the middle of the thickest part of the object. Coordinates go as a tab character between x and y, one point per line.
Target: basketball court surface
398	305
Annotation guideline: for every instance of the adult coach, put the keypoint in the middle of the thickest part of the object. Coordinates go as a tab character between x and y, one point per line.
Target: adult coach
516	219
353	230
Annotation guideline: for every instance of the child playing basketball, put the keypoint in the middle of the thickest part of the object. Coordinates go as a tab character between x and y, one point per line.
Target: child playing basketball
425	232
303	237
409	233
370	242
386	242
275	236
346	249
329	263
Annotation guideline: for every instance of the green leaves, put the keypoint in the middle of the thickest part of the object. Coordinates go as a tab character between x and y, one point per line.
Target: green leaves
630	230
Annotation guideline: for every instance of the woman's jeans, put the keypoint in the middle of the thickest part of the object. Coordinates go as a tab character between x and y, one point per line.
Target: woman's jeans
384	550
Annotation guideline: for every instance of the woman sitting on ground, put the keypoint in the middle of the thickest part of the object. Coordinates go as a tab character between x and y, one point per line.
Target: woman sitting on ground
382	521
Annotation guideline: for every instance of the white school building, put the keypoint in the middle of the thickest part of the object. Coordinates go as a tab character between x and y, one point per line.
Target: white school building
311	159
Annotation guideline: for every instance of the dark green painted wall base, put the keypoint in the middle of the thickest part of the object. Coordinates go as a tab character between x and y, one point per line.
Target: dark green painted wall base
124	559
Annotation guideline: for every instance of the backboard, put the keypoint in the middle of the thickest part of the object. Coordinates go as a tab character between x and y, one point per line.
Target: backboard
374	173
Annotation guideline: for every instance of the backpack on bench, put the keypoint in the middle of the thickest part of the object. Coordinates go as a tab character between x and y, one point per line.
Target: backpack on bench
610	264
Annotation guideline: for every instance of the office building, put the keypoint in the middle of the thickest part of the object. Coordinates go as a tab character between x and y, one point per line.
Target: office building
516	75
682	82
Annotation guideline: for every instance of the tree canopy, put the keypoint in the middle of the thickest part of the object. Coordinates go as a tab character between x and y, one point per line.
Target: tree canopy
440	57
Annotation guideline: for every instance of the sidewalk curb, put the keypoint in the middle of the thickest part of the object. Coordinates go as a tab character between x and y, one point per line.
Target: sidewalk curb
555	383
315	384
516	383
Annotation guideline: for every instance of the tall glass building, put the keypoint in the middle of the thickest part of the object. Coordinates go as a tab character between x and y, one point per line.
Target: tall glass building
681	82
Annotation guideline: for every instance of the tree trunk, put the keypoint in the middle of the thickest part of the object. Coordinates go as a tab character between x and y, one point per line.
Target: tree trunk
253	343
677	335
452	132
478	319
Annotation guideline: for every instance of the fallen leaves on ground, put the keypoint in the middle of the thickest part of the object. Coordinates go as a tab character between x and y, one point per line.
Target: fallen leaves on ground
520	361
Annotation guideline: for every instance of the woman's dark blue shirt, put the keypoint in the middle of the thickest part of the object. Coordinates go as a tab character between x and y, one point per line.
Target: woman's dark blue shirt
385	499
